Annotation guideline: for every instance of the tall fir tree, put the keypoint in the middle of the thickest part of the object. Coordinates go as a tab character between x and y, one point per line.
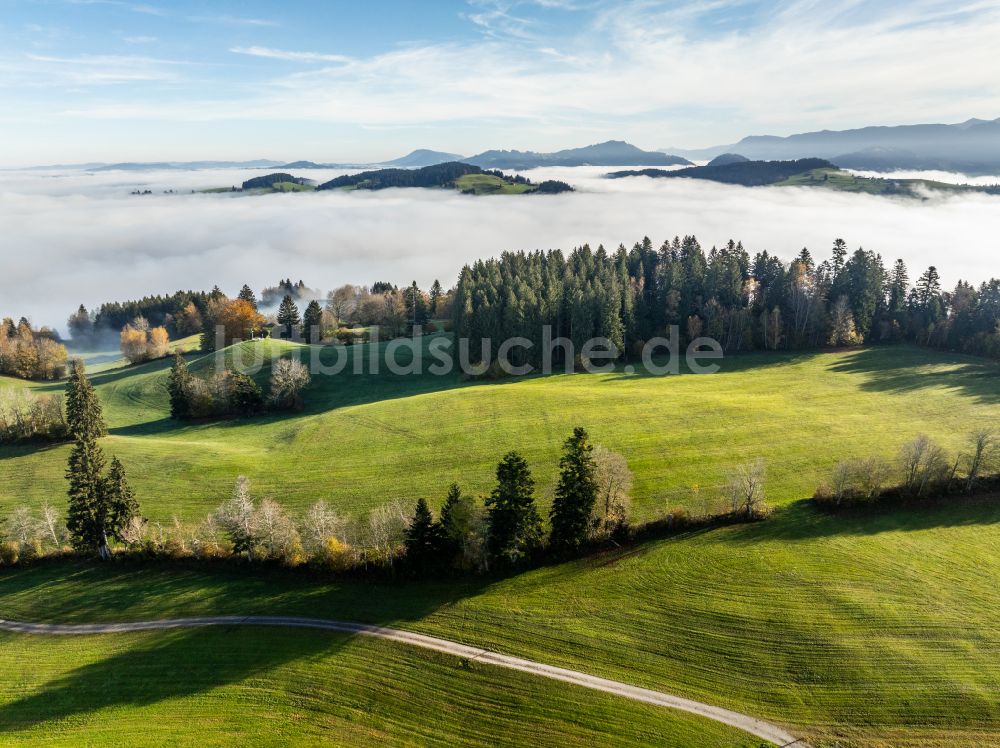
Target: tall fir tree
246	294
312	322
83	410
179	387
576	493
436	294
288	317
514	528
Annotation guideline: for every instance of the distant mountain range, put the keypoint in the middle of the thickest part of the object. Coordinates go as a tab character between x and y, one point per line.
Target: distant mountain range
972	147
610	153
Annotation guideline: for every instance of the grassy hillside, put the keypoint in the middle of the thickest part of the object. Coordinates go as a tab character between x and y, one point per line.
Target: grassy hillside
489	184
364	440
275	687
854	630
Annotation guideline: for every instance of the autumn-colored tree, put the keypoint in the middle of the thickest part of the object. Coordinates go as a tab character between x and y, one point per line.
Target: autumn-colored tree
239	319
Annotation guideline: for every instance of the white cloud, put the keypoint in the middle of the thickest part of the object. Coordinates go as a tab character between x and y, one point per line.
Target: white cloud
280	54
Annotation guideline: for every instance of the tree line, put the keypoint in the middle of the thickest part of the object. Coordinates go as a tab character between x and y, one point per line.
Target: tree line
759	302
29	353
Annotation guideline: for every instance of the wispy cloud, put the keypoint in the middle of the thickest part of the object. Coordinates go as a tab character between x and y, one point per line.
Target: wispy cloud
150	10
281	54
233	20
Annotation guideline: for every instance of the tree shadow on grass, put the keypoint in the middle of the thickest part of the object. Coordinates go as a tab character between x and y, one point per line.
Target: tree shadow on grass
904	369
802	520
151	667
177	663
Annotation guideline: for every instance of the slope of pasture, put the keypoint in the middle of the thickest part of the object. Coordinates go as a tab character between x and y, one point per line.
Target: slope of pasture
281	687
367	439
854	630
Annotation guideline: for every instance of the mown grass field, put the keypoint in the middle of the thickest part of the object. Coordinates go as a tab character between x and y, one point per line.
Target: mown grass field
856	630
272	687
367	439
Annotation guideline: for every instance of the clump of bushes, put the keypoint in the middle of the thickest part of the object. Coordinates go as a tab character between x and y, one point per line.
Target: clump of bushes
922	469
140	342
228	393
26	417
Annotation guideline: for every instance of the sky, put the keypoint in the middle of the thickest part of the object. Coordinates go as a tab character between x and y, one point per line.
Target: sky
116	80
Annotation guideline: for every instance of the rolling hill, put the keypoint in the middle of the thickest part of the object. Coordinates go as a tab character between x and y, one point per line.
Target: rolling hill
972	147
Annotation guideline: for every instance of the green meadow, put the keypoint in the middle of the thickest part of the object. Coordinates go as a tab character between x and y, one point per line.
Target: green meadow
851	630
364	440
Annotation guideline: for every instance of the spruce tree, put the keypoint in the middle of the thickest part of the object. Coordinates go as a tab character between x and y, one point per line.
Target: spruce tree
576	493
179	387
312	322
436	294
288	317
83	409
456	518
514	528
423	539
246	294
98	506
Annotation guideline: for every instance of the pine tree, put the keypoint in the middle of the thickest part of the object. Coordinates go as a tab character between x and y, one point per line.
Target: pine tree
312	322
424	539
179	387
576	492
246	294
83	409
288	317
514	528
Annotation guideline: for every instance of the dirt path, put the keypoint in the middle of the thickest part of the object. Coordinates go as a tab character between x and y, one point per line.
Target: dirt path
757	727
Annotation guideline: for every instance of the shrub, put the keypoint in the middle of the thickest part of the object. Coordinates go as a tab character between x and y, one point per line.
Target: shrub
10	552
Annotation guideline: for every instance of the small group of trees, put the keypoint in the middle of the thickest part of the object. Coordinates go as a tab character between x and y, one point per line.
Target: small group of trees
101	503
228	393
140	342
28	353
26	416
922	468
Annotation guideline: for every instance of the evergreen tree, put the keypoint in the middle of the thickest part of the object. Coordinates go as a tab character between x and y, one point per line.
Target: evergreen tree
179	387
576	492
436	294
99	506
246	294
119	500
312	322
456	519
288	317
245	396
424	539
80	325
416	308
86	496
83	409
514	528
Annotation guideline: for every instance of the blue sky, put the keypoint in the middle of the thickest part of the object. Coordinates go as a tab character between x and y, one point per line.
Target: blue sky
110	80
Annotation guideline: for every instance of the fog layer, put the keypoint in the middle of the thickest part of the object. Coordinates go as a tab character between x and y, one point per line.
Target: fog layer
77	238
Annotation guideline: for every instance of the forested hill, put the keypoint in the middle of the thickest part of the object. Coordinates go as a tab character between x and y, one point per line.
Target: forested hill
268	181
438	175
747	173
453	174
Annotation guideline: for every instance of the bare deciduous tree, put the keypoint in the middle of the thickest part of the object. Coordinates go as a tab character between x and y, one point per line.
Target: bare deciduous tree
319	525
386	529
982	457
288	378
922	463
614	485
745	488
236	518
